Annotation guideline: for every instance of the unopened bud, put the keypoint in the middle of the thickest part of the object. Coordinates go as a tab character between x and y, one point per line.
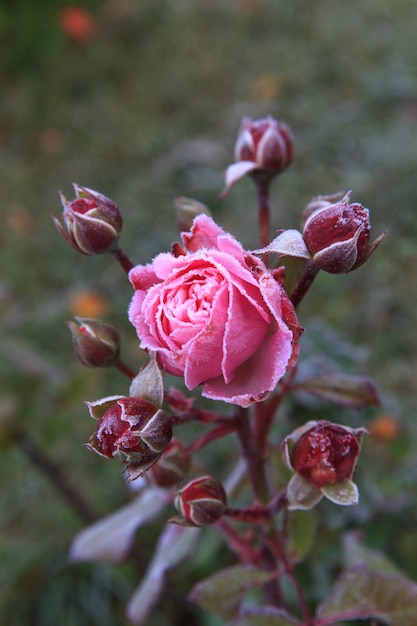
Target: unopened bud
92	222
266	142
132	430
202	501
96	344
326	454
338	236
186	210
263	148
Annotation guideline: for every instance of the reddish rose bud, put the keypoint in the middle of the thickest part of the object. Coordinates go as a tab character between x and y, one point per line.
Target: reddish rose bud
171	467
93	222
265	142
326	454
323	456
338	236
96	344
132	430
202	501
264	148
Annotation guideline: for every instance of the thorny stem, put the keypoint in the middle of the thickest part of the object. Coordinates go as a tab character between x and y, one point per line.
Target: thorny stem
123	260
310	272
53	472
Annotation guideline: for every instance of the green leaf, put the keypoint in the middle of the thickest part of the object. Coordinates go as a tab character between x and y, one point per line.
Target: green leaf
264	616
355	552
301	494
302	530
344	492
149	383
362	593
222	593
352	392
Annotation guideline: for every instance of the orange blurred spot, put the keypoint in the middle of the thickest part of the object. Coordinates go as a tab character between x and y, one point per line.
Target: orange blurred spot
88	304
20	221
77	23
266	87
385	427
50	140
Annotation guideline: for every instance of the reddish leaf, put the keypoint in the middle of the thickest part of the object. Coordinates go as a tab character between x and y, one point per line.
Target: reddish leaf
222	593
352	392
361	593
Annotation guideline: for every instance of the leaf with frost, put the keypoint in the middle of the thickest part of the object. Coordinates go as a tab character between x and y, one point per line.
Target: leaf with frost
175	544
110	539
361	593
288	243
222	593
265	616
352	392
149	384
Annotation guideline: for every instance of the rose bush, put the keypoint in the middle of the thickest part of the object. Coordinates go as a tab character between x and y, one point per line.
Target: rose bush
215	314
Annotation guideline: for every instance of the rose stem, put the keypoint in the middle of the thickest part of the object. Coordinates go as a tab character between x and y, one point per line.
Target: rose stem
123	260
262	188
55	475
310	272
265	412
250	454
125	369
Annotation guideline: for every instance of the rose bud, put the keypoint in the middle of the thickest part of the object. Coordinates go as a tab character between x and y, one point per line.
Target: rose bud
132	430
93	222
202	501
323	456
186	210
338	236
171	467
264	148
96	344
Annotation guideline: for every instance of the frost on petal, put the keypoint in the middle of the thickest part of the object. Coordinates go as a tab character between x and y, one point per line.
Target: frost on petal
203	234
235	172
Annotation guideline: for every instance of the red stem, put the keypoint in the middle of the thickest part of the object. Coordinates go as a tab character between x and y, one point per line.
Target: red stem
262	188
265	413
125	369
208	437
123	260
254	462
310	272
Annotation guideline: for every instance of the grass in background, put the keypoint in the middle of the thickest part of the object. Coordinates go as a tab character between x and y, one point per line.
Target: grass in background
145	109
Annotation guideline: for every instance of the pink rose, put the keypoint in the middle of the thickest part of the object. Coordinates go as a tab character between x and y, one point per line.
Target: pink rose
216	315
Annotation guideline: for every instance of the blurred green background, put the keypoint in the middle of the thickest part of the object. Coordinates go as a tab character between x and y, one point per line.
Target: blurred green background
142	101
